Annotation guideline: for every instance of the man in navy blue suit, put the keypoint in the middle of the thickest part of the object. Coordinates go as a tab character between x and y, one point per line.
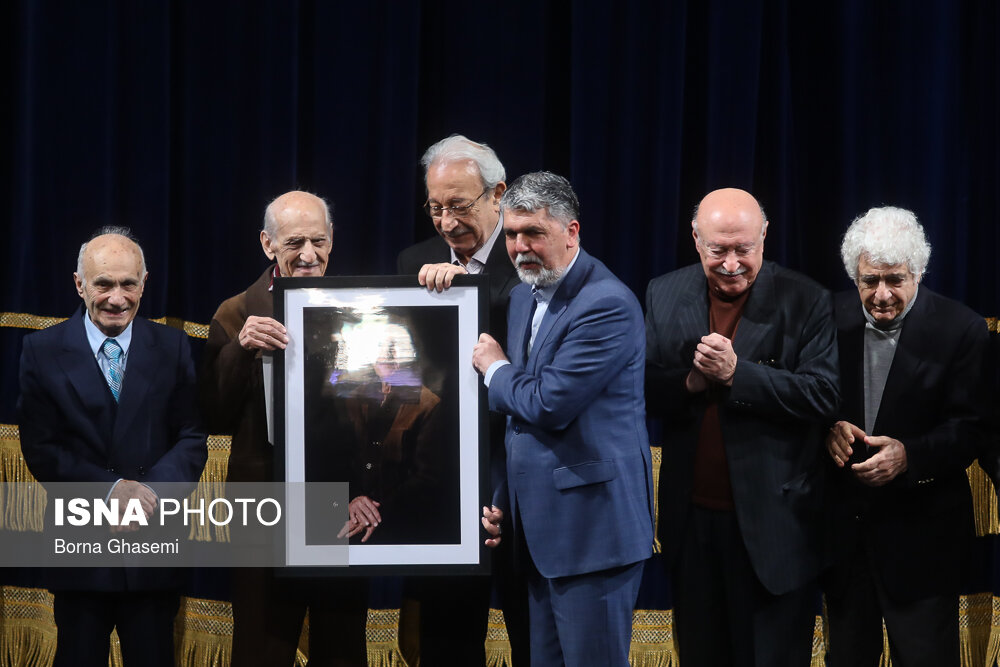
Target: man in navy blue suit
578	491
108	397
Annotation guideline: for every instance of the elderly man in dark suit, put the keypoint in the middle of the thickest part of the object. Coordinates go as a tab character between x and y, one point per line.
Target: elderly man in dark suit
465	181
578	492
913	382
742	367
108	397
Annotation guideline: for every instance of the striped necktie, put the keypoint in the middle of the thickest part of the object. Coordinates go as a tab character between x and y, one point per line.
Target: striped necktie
113	351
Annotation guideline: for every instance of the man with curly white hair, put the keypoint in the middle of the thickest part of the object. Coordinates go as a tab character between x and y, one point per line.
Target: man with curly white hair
910	424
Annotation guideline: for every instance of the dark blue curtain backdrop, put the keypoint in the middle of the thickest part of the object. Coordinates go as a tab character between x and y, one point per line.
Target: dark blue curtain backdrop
184	119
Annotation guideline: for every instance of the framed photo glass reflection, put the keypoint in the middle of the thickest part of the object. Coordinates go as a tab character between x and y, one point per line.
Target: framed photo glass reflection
376	390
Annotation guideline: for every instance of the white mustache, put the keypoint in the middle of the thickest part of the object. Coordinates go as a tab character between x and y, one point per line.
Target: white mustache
738	272
527	258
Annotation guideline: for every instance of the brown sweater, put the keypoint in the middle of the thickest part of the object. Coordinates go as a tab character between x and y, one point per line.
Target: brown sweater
712	487
232	384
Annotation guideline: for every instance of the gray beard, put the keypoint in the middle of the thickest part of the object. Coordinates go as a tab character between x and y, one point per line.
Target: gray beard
541	278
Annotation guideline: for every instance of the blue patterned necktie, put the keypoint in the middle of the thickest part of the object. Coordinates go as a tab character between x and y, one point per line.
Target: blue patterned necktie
113	351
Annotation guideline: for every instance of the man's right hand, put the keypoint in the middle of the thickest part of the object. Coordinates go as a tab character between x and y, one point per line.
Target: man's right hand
263	333
438	276
126	490
363	516
839	440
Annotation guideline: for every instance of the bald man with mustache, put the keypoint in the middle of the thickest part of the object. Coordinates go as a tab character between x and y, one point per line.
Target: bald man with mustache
741	366
297	237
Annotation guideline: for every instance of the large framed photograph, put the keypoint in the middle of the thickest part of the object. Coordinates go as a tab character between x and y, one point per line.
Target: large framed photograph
376	395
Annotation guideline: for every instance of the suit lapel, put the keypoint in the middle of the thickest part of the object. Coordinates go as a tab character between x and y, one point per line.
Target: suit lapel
140	373
259	300
906	361
757	321
555	310
77	360
692	311
498	264
568	289
518	325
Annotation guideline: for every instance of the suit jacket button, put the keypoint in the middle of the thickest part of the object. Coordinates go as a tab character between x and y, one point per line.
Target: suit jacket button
142	471
517	429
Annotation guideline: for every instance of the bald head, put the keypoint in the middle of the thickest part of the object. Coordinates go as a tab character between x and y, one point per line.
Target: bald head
729	227
298	234
110	277
294	202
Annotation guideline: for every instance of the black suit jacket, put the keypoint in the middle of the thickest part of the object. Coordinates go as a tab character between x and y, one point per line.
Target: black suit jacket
502	279
773	416
502	276
73	431
919	523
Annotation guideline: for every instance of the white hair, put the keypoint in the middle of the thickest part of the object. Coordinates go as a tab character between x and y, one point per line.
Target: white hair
457	148
886	235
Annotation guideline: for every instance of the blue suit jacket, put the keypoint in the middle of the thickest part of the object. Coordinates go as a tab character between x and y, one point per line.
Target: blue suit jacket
73	431
579	473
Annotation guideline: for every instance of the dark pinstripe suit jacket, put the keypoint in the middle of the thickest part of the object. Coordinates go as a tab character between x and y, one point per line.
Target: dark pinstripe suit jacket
773	417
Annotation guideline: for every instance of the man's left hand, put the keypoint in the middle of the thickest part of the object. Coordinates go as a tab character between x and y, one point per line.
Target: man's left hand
884	466
486	351
715	359
438	276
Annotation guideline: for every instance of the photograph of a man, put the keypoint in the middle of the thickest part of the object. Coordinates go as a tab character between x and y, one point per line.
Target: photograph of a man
376	422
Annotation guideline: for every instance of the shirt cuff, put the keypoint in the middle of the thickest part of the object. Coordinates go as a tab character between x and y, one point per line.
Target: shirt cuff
493	369
107	498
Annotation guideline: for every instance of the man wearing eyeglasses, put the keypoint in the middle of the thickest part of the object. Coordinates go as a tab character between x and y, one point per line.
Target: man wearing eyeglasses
741	365
465	181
